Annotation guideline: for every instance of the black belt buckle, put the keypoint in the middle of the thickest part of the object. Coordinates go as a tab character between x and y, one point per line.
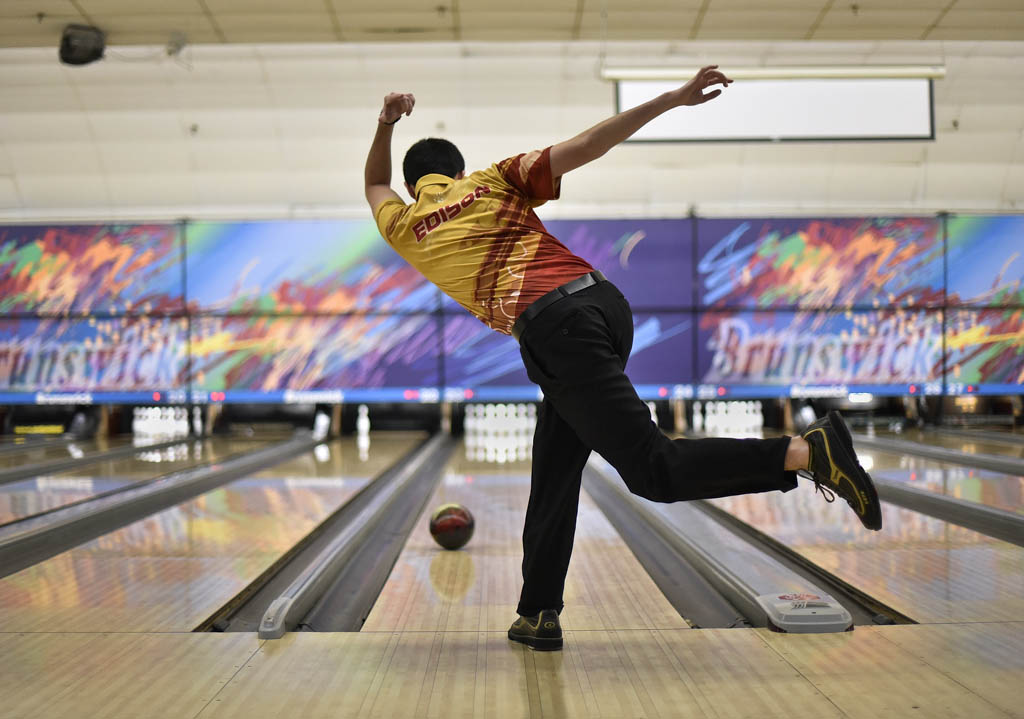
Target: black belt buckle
544	301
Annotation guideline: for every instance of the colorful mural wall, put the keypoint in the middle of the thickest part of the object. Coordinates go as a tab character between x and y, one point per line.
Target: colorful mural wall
265	311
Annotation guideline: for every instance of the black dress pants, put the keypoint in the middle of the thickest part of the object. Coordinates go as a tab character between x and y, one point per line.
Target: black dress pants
576	350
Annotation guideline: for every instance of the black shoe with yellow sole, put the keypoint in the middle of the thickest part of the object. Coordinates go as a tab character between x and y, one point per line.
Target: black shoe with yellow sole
542	632
834	468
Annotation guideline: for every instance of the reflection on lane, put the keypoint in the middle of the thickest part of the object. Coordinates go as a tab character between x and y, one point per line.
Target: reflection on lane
992	489
930	570
964	443
62	450
170	571
31	496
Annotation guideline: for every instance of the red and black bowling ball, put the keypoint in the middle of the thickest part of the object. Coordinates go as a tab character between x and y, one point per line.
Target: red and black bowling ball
451	526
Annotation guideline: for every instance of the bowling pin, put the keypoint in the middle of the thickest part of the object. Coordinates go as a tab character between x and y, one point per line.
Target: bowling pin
363	446
321	425
363	420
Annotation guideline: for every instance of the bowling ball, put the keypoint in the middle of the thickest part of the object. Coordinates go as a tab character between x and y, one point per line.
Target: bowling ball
451	526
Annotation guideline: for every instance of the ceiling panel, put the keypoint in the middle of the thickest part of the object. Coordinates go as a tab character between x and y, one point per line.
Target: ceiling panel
31	8
964	184
22	127
29	32
153	21
869	22
127	189
865	185
54	158
982	19
759	24
639	25
70	190
146	158
266	7
128	126
521	20
9	195
108	9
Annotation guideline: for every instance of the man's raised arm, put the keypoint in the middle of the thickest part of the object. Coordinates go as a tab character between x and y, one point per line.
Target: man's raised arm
377	175
593	143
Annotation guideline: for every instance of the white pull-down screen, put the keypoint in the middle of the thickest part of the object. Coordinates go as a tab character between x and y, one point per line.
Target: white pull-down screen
799	109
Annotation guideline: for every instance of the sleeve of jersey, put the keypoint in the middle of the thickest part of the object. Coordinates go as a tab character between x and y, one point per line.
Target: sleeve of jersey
530	174
387	215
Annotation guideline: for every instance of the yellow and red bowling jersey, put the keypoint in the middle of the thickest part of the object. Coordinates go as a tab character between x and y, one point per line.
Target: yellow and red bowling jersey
479	240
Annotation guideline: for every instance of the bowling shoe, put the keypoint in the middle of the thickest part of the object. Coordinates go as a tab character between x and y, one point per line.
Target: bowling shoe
542	632
834	468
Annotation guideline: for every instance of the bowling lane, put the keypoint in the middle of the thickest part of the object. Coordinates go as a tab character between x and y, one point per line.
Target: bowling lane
170	571
932	571
965	443
40	494
477	588
982	486
61	450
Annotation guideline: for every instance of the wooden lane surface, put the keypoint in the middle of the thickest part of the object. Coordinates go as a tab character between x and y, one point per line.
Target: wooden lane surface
964	443
982	486
31	496
930	570
171	570
61	450
971	670
477	587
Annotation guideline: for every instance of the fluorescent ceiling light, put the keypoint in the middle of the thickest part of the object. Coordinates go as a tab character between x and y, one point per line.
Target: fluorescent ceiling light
781	73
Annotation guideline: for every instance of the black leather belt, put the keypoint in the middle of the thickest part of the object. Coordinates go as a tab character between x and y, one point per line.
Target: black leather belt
544	301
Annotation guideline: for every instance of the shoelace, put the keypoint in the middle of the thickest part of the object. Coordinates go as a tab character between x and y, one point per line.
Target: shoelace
827	493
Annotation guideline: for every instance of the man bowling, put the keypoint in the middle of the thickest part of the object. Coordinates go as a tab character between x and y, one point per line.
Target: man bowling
477	238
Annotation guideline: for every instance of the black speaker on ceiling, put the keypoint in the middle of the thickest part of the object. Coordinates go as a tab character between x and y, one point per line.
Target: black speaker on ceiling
81	44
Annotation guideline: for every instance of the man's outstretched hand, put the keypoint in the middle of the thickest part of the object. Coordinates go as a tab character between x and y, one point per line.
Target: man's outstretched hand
692	93
396	104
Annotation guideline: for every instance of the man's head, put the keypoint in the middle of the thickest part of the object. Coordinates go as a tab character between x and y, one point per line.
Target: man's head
432	156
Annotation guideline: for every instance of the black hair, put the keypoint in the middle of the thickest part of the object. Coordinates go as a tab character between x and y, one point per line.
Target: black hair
432	155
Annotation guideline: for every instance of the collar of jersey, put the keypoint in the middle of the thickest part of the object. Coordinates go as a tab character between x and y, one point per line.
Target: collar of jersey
432	179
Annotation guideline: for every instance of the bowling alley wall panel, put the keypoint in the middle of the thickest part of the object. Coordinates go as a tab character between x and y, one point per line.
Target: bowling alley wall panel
820	263
82	269
986	260
858	350
299	267
247	311
94	354
253	355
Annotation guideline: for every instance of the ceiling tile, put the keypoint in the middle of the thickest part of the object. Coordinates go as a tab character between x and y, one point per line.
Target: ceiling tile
28	32
97	9
31	127
131	29
59	191
266	7
984	19
31	8
145	157
53	158
148	189
519	22
780	25
638	25
983	34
